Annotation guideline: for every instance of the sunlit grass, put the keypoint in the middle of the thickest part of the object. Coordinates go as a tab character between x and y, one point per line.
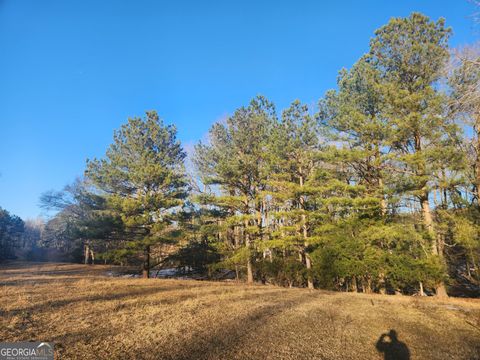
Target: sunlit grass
91	316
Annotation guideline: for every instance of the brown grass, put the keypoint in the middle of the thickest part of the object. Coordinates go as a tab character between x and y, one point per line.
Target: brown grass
91	316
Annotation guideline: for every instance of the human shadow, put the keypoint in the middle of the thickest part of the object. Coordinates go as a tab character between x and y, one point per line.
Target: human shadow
391	347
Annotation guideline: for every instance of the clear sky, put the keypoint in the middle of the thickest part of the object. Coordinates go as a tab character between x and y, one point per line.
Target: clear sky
73	71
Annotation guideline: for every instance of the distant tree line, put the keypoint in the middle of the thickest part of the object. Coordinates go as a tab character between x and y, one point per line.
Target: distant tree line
11	230
376	190
21	239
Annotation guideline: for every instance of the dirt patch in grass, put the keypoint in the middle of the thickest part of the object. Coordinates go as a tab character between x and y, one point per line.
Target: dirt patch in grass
91	316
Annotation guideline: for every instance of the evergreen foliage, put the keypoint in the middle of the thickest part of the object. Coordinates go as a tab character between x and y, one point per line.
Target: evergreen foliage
377	191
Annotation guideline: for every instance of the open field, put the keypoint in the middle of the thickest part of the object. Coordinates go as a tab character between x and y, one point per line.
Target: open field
91	316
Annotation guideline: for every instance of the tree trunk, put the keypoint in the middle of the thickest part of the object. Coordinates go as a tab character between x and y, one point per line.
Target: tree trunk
236	273
383	202
146	262
381	284
424	199
249	258
422	293
367	285
308	264
249	271
86	255
436	246
236	239
354	284
441	290
428	222
308	261
444	191
477	159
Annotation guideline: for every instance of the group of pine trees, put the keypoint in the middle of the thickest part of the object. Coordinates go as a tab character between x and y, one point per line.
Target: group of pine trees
375	190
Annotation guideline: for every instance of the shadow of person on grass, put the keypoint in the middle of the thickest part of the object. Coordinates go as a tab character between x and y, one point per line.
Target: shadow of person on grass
391	347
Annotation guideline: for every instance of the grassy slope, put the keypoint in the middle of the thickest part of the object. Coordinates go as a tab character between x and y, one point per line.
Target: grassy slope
90	316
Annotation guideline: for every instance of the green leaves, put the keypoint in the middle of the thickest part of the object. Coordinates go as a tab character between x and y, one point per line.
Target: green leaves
411	51
11	229
369	189
143	179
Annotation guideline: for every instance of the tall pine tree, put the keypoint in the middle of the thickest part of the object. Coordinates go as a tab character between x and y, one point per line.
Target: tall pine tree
143	179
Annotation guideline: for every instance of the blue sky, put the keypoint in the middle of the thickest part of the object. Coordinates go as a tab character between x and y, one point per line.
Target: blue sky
73	71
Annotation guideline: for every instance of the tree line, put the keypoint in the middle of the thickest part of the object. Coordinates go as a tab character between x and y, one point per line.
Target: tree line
11	230
376	189
19	238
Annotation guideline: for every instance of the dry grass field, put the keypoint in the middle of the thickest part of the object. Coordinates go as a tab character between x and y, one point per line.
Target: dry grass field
91	316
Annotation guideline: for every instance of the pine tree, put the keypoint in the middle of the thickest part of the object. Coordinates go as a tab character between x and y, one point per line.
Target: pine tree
143	179
234	161
293	153
354	118
410	54
340	206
